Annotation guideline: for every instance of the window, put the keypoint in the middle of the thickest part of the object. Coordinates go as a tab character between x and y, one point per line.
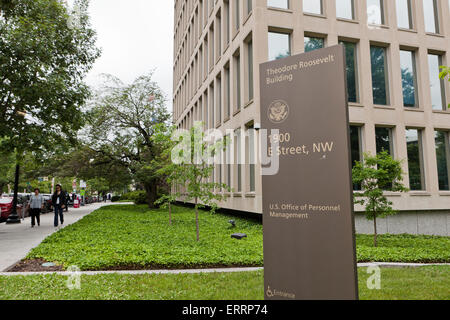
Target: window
249	70
404	14
430	12
205	12
356	148
312	43
379	75
226	8
227	91
205	58
313	6
218	36
279	45
383	137
436	85
375	12
238	162
345	9
409	80
283	4
200	63
251	157
443	159
205	110
218	100
211	105
228	160
352	71
211	47
237	80
211	6
249	6
415	159
237	15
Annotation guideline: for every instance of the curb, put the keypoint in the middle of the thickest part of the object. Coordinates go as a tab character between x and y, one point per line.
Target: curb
220	270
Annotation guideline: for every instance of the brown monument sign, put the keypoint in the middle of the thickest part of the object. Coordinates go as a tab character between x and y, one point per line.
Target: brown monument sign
309	238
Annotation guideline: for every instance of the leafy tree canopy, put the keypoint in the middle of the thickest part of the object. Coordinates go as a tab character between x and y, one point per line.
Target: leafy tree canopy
43	60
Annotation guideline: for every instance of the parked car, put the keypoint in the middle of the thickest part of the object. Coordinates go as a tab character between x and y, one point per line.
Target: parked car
48	206
6	204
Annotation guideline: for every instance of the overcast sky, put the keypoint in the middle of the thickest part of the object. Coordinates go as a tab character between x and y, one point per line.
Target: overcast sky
135	36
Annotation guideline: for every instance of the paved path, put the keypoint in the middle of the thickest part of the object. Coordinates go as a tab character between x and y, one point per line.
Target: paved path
220	270
17	240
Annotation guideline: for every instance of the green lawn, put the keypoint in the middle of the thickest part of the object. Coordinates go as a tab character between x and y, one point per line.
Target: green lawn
129	237
418	283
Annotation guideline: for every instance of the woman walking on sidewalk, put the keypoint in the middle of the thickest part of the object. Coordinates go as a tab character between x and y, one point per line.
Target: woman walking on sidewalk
35	206
59	203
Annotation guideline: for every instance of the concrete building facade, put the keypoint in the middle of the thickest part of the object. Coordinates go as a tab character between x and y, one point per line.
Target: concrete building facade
397	103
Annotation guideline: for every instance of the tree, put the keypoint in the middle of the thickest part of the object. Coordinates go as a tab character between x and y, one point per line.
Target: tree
42	65
83	163
191	170
374	174
43	61
121	126
445	72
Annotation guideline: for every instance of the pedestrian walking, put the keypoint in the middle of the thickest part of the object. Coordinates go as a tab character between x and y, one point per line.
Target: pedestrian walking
35	206
67	201
59	203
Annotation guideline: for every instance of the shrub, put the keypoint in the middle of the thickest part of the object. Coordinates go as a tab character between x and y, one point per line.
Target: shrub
116	198
138	197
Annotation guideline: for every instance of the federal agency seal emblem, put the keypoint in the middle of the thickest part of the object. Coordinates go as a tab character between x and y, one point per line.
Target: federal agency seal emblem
278	111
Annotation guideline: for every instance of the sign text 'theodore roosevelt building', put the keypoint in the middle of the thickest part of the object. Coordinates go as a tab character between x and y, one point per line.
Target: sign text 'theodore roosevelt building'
396	101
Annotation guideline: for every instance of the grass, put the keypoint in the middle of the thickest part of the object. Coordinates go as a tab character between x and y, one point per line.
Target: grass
426	283
403	248
129	237
133	237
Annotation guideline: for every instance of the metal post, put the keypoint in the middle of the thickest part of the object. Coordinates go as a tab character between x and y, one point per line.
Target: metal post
13	217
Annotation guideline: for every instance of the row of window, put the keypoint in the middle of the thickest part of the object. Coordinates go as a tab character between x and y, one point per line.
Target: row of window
376	14
414	143
229	20
227	84
244	164
236	163
376	11
280	47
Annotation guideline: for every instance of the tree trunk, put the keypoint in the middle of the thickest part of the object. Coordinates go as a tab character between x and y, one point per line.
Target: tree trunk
196	219
151	191
375	229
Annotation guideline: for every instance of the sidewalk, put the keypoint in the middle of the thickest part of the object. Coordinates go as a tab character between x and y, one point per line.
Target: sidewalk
17	240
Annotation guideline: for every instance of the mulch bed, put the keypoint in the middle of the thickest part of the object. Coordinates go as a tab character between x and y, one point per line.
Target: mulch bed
34	265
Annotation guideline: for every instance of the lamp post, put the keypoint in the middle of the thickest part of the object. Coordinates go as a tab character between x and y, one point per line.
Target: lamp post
14	217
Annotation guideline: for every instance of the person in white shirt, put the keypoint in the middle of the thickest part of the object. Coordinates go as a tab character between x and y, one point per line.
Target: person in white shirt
35	206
